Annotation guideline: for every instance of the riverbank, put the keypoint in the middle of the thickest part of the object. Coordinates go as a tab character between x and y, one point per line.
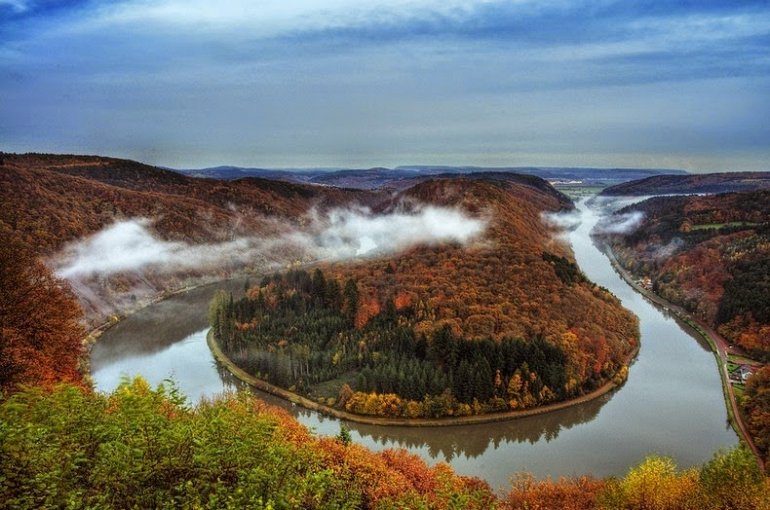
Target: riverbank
718	345
305	402
94	332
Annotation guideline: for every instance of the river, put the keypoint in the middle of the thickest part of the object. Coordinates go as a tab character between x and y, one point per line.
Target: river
672	403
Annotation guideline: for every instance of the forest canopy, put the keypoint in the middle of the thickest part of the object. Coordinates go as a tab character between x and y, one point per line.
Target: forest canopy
711	255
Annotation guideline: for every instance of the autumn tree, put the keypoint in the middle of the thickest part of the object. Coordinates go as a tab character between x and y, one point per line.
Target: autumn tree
40	333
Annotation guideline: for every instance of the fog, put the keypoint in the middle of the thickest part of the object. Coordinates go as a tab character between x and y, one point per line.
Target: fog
132	246
603	214
620	223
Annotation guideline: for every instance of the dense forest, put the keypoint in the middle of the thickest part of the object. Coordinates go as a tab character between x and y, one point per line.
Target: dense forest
299	331
756	406
506	323
141	447
711	255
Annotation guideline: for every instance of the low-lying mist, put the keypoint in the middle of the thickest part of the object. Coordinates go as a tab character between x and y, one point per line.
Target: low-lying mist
131	250
601	212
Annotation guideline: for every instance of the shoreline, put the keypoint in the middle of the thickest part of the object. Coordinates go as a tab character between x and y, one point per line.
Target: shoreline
447	421
709	335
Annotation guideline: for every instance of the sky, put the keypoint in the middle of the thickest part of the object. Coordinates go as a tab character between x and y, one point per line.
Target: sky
360	83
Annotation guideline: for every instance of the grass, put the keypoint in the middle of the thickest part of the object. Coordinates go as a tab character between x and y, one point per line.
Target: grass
331	388
709	226
737	359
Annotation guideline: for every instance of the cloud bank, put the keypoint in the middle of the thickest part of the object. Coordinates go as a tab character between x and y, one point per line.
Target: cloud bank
647	83
131	246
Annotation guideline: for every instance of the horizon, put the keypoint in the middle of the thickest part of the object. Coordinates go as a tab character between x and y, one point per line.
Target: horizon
647	84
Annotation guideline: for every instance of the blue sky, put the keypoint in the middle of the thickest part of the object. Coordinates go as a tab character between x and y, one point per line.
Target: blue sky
193	83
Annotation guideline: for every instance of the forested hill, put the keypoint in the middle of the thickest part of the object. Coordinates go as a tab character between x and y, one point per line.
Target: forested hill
710	254
691	184
51	199
506	322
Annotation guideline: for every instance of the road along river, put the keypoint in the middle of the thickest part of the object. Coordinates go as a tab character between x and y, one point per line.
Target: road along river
672	403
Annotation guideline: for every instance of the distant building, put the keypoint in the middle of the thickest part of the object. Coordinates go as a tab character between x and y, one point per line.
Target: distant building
743	372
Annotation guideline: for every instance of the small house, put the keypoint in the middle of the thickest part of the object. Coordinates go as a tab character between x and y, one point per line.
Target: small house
744	372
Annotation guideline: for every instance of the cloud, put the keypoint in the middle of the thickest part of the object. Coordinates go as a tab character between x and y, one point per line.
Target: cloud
130	245
619	223
349	233
365	83
567	220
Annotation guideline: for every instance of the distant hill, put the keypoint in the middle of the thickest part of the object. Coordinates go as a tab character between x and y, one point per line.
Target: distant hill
404	176
691	184
58	198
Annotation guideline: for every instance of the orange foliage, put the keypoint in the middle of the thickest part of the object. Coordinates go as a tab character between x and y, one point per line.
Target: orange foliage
403	300
367	309
566	494
41	337
501	285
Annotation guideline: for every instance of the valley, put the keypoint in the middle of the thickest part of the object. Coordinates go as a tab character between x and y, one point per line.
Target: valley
665	400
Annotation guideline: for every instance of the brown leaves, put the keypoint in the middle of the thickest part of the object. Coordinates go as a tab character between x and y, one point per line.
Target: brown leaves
41	333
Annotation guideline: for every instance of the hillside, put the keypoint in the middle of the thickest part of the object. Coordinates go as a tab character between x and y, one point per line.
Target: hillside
58	198
505	322
691	184
710	255
54	200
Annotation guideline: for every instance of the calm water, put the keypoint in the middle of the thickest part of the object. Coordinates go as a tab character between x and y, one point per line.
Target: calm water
672	403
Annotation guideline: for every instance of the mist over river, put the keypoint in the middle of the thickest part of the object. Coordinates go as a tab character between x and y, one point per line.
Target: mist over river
671	404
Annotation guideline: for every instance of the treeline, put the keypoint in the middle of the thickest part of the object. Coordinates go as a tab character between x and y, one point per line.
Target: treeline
301	331
711	255
140	447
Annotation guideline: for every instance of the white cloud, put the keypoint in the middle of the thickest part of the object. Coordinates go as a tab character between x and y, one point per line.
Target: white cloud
274	17
130	246
620	223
